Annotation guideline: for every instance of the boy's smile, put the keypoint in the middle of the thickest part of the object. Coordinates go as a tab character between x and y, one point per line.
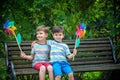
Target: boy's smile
41	35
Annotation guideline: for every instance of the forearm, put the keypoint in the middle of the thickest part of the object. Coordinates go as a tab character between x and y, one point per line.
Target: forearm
28	57
73	54
24	56
70	56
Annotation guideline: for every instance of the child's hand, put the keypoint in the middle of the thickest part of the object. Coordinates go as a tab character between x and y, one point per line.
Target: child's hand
22	54
74	51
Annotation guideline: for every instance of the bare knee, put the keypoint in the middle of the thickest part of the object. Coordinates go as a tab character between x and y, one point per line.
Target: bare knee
49	68
58	77
70	75
42	69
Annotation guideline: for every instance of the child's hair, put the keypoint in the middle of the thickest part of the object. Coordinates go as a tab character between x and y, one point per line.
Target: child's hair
57	29
42	28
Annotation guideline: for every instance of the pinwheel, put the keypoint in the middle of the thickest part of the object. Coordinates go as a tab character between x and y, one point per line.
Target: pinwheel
9	28
80	32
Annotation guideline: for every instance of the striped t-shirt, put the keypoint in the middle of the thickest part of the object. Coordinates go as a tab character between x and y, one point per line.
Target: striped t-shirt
41	53
58	51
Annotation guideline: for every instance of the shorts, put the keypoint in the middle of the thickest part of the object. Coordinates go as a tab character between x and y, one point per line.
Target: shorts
59	67
38	65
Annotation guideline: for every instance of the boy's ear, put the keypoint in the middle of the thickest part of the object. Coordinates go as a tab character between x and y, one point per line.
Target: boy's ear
46	34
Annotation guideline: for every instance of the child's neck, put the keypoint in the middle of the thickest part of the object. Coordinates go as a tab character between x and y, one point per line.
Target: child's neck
42	41
58	41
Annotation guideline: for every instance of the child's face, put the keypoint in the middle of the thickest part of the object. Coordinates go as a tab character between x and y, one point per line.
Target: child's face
41	35
58	36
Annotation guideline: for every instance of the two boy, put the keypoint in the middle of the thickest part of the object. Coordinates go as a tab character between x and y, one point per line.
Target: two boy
58	53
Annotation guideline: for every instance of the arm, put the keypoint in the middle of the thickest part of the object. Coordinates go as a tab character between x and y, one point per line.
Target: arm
24	56
73	54
32	44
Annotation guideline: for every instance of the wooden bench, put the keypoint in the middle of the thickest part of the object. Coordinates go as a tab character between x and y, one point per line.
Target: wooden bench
95	54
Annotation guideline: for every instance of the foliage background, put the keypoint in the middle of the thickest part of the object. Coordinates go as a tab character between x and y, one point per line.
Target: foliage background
101	17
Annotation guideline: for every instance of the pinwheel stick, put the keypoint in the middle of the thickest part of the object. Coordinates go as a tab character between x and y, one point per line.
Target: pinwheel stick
75	42
75	47
17	42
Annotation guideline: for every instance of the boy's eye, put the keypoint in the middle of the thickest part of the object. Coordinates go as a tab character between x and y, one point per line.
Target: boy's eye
40	33
55	34
59	34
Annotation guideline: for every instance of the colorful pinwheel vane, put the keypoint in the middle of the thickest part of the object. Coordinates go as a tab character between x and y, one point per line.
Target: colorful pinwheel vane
9	28
80	32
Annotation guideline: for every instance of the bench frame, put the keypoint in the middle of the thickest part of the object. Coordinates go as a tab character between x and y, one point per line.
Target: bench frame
79	64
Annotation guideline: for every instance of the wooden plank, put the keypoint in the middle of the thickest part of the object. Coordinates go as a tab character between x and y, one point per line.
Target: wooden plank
26	71
94	58
99	67
91	54
81	59
83	48
73	63
88	41
10	53
17	49
22	62
90	45
23	66
94	49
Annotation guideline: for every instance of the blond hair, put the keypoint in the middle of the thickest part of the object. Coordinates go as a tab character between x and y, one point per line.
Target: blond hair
42	28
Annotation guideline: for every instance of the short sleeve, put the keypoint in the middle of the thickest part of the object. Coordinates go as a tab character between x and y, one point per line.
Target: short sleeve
50	42
67	51
32	49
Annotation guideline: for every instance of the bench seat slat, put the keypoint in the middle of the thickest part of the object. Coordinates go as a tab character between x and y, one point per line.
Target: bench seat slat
98	67
81	68
26	71
28	65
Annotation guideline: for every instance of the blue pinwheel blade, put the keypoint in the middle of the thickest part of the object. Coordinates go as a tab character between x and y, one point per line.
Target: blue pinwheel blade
6	24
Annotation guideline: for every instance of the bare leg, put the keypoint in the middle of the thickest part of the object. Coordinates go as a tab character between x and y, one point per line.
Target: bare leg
50	72
70	76
58	77
42	73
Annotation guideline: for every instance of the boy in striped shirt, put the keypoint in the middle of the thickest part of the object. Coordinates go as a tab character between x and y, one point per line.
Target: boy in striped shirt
40	53
59	54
